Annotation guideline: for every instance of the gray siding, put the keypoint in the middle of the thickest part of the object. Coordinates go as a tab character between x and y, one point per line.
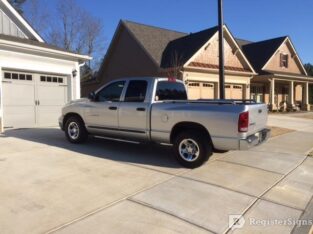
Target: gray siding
8	27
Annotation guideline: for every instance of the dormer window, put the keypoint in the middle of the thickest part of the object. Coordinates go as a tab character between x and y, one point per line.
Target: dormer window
284	60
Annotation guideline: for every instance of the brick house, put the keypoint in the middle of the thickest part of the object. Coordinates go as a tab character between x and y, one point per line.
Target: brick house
142	50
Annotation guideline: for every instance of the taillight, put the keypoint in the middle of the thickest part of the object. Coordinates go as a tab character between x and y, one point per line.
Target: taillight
243	122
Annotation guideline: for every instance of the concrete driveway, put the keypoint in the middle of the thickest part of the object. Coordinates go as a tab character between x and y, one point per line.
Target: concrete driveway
49	185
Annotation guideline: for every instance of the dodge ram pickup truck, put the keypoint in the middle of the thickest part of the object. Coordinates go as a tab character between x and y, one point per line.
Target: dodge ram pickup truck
158	110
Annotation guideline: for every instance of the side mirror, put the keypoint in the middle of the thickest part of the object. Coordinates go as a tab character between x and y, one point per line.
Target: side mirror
92	96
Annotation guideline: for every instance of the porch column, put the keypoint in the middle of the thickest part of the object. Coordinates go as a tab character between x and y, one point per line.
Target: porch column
306	97
272	99
291	94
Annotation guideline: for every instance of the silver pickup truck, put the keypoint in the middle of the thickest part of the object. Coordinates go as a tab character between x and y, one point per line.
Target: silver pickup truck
158	110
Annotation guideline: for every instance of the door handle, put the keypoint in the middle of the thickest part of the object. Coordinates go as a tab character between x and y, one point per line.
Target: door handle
112	108
141	109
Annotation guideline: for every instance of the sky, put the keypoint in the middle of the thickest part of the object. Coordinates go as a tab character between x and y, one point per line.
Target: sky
253	20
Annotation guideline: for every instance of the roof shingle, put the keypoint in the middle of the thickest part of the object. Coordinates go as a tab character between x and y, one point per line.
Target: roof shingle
259	53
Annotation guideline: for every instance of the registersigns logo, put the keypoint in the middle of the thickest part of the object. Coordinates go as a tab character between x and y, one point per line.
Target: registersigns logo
236	221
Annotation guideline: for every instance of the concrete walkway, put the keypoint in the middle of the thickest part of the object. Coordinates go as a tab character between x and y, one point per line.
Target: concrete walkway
49	185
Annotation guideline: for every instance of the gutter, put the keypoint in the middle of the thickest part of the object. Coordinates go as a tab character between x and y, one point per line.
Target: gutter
40	49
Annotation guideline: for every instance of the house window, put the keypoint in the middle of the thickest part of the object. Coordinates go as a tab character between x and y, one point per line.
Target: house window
15	76
284	60
22	77
7	75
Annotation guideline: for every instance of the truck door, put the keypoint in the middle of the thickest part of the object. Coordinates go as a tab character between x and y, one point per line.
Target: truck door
101	115
133	111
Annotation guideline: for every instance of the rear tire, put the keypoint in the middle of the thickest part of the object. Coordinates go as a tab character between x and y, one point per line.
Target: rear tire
192	149
75	130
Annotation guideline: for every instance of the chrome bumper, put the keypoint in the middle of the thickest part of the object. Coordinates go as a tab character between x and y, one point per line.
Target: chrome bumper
255	139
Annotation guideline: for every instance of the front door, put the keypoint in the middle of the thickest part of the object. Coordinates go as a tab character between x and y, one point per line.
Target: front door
101	115
133	111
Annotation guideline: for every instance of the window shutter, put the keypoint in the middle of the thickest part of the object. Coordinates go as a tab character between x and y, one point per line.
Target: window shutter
281	60
287	60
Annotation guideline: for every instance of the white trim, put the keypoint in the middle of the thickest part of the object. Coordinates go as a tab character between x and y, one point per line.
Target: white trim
34	48
274	54
234	42
295	52
23	21
239	49
215	71
200	50
297	56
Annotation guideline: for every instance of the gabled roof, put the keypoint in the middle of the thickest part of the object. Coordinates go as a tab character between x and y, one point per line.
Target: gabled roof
153	39
259	53
242	42
184	48
26	26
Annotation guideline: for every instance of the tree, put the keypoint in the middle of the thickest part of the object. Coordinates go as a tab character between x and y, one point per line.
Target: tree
68	26
175	66
309	68
17	4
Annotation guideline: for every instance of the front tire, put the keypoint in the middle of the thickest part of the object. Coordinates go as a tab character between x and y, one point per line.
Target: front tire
75	130
191	149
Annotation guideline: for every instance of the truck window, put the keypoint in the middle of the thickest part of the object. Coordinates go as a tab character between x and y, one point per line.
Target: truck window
111	92
170	91
136	91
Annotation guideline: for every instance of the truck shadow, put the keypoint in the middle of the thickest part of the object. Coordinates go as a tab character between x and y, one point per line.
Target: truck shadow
144	154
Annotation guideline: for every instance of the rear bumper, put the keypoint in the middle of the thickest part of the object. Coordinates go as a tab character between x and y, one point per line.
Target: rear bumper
255	139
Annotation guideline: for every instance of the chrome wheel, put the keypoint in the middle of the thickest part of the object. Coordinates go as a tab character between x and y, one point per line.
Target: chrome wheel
73	130
189	150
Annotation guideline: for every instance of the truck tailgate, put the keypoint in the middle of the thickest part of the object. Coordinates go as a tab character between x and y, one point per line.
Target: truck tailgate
258	114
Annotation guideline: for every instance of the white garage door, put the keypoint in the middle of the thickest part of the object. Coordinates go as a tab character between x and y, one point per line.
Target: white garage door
31	100
200	90
233	91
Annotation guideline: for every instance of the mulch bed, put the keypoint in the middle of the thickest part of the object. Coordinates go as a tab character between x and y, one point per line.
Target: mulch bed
276	131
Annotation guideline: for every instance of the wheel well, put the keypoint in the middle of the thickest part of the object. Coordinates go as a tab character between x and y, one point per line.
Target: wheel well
68	115
183	126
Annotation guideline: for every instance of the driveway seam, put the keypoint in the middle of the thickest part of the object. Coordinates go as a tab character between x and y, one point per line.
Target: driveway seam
293	154
240	164
266	191
168	213
62	226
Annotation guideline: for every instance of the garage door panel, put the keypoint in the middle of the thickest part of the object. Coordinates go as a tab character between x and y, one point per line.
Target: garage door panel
59	94
234	91
18	94
194	91
207	91
228	92
237	92
19	117
48	115
32	100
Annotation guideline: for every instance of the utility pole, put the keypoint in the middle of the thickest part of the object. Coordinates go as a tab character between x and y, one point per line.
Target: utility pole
221	49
